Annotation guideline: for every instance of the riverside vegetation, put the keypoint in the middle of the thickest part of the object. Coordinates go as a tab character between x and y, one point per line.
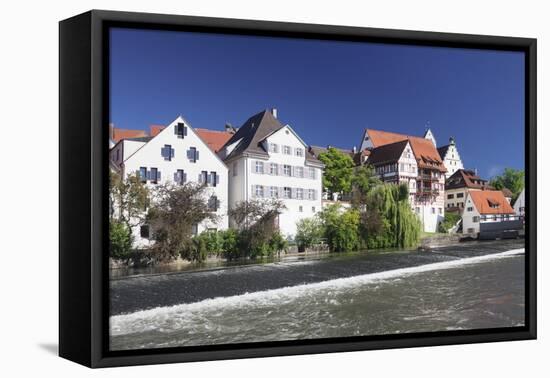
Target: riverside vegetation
380	216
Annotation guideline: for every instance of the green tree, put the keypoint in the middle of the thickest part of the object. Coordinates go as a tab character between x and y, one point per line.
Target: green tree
129	199
338	172
256	221
394	224
340	228
309	232
448	222
177	209
363	181
511	179
120	241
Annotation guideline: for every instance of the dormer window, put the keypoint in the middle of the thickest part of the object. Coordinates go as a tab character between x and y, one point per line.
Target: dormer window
273	147
180	130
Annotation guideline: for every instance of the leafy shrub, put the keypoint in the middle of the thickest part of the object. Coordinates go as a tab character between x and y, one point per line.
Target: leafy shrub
309	232
120	241
448	222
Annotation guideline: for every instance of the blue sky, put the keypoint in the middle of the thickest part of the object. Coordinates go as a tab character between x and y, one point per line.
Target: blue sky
328	91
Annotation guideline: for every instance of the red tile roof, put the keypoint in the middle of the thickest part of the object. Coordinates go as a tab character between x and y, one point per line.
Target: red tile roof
155	129
215	139
119	134
483	199
424	150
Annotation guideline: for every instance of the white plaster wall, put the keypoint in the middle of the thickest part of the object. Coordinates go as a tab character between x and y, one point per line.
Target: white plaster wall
452	161
519	205
468	215
149	155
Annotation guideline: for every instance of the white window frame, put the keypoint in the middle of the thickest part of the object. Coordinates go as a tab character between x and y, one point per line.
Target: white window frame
259	167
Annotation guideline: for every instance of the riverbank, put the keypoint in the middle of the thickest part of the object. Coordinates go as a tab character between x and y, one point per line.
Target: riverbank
142	292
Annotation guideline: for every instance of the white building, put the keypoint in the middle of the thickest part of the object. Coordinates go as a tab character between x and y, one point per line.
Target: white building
451	157
519	205
267	159
399	158
176	154
457	187
485	206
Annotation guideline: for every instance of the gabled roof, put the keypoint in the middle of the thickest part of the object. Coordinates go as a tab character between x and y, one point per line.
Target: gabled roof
443	150
119	134
465	178
491	202
424	150
316	150
214	139
252	133
155	129
387	153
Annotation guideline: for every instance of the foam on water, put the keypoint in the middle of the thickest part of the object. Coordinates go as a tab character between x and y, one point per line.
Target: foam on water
151	319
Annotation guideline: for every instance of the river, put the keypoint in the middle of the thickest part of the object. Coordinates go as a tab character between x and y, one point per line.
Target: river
475	285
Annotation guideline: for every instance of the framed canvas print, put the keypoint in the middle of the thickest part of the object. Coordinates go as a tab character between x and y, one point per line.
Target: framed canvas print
235	188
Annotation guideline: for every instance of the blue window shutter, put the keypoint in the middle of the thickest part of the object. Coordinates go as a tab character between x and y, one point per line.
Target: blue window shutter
176	177
176	129
189	154
184	130
148	175
209	178
184	178
196	155
158	175
172	152
217	179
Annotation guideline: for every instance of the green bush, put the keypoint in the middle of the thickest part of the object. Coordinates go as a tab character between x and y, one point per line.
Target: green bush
120	241
341	228
309	232
230	244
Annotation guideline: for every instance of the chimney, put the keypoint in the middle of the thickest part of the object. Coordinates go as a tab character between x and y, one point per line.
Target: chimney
111	130
274	112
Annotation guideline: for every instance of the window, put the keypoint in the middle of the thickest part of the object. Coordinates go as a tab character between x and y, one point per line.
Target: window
287	170
433	210
273	192
195	229
299	151
235	172
312	174
273	168
259	191
286	150
259	167
193	154
471	230
167	152
180	177
273	147
418	210
213	203
459	195
470	209
402	167
143	174
144	231
301	209
475	219
440	210
311	194
451	196
154	175
287	192
203	177
413	169
214	179
117	154
299	193
180	130
299	171
313	209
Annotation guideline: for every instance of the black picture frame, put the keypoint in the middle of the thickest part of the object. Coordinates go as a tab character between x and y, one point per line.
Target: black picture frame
83	205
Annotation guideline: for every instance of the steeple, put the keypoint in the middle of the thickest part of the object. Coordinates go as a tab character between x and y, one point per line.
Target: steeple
429	135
